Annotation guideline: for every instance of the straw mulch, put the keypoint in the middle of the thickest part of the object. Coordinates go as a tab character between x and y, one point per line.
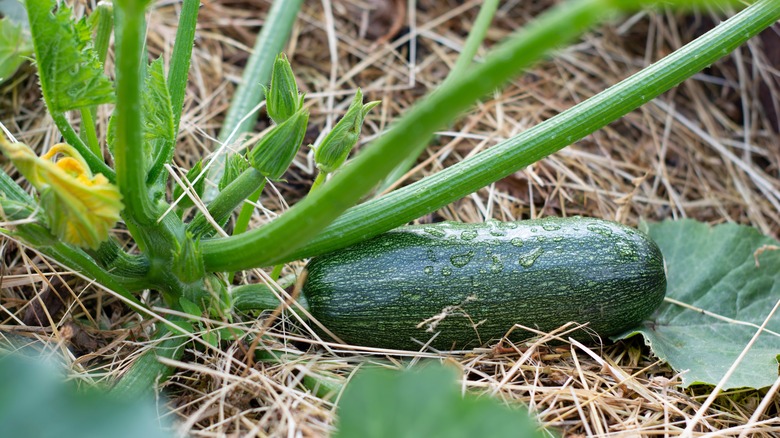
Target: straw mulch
663	161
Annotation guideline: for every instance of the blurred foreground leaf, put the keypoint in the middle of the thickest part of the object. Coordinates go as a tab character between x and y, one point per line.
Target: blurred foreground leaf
424	403
35	401
15	47
714	269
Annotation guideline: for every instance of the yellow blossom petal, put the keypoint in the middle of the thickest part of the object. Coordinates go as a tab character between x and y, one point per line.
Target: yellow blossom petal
81	208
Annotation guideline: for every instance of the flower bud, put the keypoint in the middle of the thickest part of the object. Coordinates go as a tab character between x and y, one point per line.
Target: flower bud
188	261
275	151
282	99
335	148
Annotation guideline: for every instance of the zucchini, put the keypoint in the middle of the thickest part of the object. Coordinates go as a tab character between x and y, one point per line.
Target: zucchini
468	284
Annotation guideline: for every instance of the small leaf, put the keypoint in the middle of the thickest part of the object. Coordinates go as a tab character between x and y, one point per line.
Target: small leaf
70	73
211	338
235	166
424	402
158	112
714	269
220	301
15	47
230	333
190	308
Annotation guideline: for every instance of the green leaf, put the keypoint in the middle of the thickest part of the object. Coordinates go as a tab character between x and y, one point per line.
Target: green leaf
190	308
71	75
423	402
15	47
36	402
158	112
235	166
714	269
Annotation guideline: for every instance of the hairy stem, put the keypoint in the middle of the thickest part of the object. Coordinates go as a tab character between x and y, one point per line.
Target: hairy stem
129	155
227	201
180	60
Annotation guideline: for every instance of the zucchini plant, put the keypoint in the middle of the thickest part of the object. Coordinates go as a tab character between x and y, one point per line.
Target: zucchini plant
79	197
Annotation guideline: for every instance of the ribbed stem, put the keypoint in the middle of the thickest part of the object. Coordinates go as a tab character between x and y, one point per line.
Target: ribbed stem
129	155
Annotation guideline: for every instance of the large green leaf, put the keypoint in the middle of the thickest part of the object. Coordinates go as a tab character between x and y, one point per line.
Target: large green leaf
714	269
71	75
15	47
423	403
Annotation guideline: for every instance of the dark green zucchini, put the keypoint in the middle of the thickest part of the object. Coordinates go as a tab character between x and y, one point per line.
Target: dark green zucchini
468	284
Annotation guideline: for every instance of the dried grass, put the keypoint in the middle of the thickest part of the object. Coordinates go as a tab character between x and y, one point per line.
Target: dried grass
707	150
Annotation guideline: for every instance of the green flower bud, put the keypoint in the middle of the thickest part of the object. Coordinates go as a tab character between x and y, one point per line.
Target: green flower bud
275	151
236	165
186	202
282	99
335	148
188	260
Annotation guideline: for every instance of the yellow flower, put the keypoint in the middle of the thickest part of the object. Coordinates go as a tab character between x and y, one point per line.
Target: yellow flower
81	207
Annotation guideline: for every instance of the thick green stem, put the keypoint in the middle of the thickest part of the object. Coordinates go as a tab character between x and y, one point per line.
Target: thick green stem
476	36
104	14
180	61
227	201
73	258
88	131
274	243
129	155
276	272
105	25
13	192
242	221
271	40
245	215
319	180
257	297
